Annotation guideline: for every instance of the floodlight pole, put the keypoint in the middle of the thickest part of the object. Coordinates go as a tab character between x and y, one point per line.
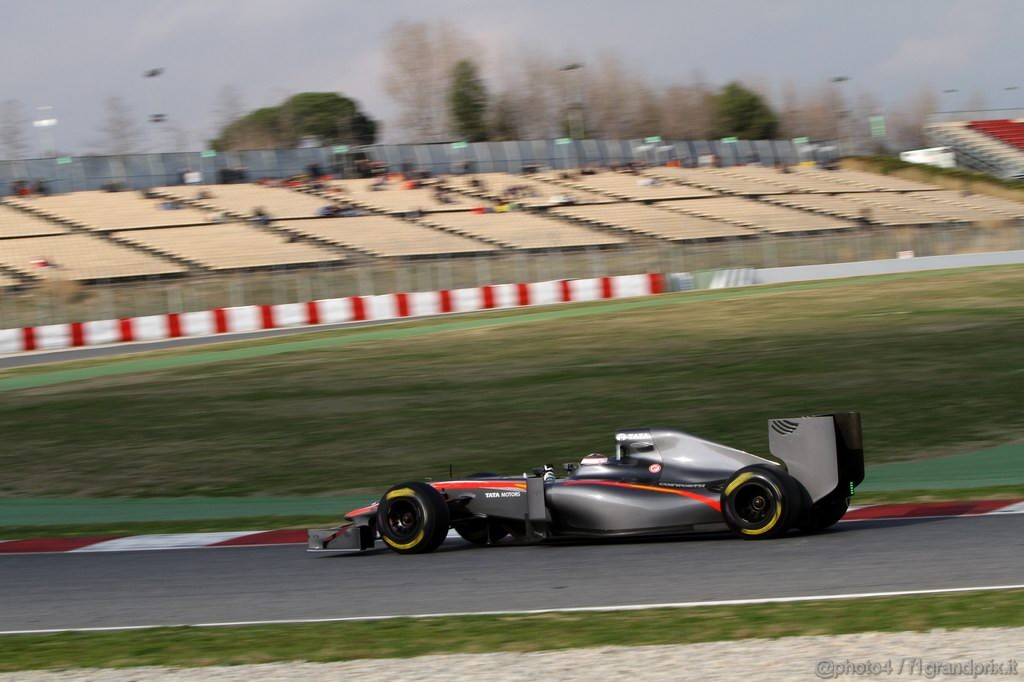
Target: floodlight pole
577	106
44	122
157	117
842	113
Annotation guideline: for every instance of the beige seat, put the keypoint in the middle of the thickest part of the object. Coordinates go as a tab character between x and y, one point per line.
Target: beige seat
15	223
757	215
655	222
384	236
110	210
241	200
521	230
231	246
82	257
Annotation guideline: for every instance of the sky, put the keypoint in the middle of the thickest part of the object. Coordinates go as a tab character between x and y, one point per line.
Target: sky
72	54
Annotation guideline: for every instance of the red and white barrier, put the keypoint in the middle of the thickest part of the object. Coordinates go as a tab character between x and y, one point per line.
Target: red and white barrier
329	311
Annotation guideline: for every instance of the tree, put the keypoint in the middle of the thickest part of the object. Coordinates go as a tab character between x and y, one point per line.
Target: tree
467	102
120	133
13	124
420	59
327	116
741	112
228	107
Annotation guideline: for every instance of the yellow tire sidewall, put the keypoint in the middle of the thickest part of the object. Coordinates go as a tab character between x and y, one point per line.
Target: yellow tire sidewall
410	494
777	501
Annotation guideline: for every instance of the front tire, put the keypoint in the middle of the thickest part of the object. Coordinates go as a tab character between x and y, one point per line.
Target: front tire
761	502
413	518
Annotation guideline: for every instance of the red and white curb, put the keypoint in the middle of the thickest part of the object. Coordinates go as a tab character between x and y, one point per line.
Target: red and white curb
294	536
327	311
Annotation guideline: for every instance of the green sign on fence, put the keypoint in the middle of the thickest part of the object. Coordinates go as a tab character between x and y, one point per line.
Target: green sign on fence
563	140
654	139
800	140
877	125
63	160
730	140
208	153
459	145
340	149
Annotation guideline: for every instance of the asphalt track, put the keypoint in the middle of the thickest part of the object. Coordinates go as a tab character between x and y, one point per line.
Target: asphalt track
179	587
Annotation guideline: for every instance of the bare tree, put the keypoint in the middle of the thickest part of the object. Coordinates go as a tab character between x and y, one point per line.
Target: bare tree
687	111
420	60
13	124
906	124
120	133
228	107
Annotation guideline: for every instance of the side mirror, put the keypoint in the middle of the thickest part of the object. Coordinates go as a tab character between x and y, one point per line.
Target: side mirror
570	467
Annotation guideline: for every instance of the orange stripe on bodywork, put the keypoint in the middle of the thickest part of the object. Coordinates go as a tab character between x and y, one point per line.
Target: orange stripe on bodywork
361	510
463	485
657	489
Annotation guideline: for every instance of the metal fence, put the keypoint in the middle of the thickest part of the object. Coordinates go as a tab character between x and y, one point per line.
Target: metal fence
140	171
56	300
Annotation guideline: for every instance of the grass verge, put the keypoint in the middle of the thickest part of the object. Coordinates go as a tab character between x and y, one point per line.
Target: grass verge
324	642
932	362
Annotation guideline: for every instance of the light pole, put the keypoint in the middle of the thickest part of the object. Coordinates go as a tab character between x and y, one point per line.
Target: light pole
156	118
841	112
570	106
45	122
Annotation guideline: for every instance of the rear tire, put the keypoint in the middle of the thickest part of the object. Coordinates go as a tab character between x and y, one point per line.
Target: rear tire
413	518
825	514
761	502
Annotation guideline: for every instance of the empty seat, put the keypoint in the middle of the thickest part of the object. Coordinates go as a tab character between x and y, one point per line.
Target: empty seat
522	230
82	257
384	236
231	246
15	223
654	222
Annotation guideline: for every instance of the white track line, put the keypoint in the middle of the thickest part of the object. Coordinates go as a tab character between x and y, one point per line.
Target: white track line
529	612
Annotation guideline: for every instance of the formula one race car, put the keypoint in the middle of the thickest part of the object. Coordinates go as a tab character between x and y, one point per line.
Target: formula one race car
659	482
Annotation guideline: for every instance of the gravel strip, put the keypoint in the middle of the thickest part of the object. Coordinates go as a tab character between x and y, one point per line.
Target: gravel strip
867	656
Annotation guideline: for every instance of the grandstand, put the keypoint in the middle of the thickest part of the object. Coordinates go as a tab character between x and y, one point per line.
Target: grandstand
241	200
757	215
1001	208
397	197
1010	132
386	237
108	210
117	236
530	191
977	149
649	221
82	257
632	187
230	247
846	207
719	181
15	223
520	230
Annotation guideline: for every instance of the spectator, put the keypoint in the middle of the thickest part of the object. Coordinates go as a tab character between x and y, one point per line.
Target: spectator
260	216
329	211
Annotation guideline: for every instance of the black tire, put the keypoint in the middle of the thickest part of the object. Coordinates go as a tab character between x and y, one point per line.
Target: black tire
412	518
825	514
479	531
761	502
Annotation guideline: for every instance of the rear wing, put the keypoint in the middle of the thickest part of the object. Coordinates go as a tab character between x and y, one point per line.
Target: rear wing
824	452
